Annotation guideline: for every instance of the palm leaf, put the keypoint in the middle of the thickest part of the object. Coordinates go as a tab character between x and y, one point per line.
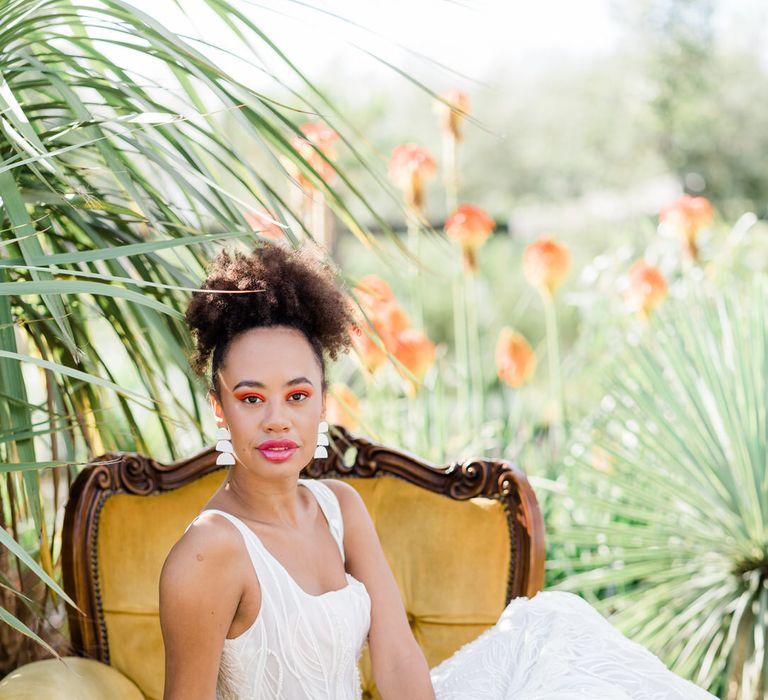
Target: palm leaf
109	183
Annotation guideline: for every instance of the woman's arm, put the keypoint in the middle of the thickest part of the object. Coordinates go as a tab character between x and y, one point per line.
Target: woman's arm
200	590
399	667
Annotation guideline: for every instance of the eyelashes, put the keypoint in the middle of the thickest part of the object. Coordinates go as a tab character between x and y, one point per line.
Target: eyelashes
304	394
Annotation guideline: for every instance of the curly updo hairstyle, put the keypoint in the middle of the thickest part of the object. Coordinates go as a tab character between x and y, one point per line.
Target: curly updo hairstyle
290	288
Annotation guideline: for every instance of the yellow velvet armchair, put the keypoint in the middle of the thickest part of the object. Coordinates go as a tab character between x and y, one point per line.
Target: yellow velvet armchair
462	539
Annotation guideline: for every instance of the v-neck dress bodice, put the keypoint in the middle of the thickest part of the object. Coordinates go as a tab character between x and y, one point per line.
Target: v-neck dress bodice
300	645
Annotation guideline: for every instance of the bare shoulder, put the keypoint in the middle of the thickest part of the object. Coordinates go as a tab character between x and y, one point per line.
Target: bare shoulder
201	585
203	564
340	488
360	537
352	504
210	541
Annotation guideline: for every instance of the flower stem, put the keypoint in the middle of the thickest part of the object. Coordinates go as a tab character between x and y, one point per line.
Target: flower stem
441	415
474	363
460	339
414	278
555	374
451	171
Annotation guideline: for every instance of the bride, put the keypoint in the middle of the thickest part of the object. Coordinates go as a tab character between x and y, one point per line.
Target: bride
277	584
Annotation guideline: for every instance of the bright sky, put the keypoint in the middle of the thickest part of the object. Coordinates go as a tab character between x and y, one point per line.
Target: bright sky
473	37
479	39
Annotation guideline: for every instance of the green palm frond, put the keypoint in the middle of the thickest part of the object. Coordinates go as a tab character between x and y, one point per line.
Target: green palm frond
115	191
668	492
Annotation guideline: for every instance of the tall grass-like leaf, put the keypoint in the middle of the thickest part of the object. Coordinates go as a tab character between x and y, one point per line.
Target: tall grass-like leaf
108	175
19	626
667	492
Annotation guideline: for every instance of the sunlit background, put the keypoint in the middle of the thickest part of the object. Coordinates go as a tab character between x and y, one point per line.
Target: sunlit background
597	316
598	108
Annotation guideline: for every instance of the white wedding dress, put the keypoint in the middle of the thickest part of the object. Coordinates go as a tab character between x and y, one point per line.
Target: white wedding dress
554	646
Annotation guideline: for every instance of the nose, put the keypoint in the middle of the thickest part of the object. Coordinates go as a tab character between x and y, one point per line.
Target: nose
275	418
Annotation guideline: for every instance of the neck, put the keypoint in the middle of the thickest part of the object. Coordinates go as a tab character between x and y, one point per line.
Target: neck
274	502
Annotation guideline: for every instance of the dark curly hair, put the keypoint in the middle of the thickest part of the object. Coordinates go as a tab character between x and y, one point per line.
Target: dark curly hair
291	288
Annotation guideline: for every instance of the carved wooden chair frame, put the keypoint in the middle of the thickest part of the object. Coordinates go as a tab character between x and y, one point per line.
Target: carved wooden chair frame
349	456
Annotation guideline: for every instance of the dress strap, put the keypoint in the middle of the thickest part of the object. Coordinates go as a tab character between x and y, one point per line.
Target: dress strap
329	504
249	535
325	498
252	542
239	524
273	578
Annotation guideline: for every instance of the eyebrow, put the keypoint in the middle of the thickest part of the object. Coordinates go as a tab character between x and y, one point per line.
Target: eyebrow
261	385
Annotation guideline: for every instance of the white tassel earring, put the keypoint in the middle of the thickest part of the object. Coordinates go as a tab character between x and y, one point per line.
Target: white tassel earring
322	440
224	446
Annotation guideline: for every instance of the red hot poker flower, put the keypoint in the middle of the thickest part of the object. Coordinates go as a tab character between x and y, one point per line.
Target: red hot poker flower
409	166
646	288
470	226
687	216
452	113
546	264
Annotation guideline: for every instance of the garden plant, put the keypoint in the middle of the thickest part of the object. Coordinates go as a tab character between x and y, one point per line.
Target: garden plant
627	379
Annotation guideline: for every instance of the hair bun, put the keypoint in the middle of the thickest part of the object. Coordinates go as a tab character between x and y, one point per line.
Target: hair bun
289	288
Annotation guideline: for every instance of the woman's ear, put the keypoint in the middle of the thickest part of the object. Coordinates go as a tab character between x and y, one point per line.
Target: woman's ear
216	407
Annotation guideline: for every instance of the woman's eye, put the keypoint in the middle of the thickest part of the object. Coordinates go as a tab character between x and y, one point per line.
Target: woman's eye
299	393
250	397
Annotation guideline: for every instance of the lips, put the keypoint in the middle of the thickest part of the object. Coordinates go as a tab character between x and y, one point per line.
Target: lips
278	450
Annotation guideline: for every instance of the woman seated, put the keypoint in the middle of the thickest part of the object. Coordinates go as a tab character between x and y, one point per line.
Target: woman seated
277	584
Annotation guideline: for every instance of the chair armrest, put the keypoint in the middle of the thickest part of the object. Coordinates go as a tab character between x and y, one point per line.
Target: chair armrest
72	677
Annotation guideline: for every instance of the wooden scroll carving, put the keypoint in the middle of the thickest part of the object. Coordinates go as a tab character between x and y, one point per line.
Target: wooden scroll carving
349	456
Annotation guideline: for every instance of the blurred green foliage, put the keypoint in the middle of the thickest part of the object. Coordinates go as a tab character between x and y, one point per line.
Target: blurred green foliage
682	96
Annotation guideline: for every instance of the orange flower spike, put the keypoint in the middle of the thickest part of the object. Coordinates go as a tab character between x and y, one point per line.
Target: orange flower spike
372	290
687	216
322	136
470	226
379	303
646	288
317	137
515	359
452	113
393	318
263	223
371	355
417	352
409	167
385	318
342	407
546	264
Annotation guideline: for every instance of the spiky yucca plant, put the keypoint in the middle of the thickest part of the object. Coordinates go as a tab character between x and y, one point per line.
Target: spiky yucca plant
667	493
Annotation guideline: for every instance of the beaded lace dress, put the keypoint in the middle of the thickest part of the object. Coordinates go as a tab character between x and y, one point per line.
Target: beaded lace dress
554	646
301	646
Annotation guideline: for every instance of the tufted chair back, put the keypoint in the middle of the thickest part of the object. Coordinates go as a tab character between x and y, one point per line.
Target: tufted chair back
462	540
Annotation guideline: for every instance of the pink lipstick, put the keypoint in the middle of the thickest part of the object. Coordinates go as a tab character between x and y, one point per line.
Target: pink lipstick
278	450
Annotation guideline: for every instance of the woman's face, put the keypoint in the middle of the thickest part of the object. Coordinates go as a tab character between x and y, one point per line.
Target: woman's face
270	390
